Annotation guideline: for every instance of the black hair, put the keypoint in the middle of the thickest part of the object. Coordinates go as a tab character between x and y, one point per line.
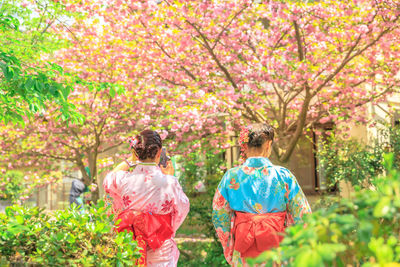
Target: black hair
259	133
149	142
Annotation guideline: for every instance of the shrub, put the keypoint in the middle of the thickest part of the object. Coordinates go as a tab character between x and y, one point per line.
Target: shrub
206	166
363	230
394	144
11	185
349	161
357	163
65	238
17	186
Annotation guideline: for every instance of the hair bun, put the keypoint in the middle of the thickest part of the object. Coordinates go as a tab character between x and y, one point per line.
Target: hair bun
259	134
147	145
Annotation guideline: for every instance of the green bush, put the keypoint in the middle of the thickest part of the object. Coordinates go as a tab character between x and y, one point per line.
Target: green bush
65	238
11	185
349	161
394	145
207	166
357	163
360	231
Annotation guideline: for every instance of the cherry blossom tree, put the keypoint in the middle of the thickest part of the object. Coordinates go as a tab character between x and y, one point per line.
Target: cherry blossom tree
198	69
112	109
293	64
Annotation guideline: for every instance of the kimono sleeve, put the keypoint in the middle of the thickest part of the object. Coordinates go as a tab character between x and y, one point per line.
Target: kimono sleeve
222	218
182	205
112	183
297	201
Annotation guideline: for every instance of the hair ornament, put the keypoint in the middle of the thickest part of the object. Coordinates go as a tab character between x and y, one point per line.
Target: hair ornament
133	141
244	135
243	141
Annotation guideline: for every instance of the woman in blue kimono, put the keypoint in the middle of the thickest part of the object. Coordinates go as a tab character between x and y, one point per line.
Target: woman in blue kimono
255	201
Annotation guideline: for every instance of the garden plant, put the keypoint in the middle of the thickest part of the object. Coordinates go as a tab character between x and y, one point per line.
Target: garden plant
355	162
206	168
64	238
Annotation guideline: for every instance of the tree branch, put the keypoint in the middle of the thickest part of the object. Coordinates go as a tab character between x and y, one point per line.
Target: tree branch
206	44
349	57
299	128
299	41
225	27
50	156
110	147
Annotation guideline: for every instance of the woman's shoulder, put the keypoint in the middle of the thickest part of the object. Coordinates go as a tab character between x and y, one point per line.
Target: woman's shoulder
116	175
164	179
283	172
233	171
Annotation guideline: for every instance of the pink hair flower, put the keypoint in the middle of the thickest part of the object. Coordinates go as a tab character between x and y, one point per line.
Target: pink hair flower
133	141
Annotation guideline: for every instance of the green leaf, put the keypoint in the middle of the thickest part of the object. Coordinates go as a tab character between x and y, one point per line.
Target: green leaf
60	236
19	219
29	83
382	208
100	227
112	91
328	251
308	258
71	239
8	73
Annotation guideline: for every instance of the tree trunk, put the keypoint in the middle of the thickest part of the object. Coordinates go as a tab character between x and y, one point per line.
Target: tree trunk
88	180
93	173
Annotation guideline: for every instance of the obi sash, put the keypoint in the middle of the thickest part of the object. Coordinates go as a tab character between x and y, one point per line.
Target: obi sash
150	230
256	233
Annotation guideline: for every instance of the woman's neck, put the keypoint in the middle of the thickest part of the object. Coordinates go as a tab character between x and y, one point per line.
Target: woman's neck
256	154
148	161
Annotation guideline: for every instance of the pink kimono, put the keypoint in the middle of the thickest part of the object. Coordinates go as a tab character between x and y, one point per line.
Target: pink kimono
147	191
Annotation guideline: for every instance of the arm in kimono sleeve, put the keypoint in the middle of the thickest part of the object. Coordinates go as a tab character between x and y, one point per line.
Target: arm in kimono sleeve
222	217
297	204
182	206
111	183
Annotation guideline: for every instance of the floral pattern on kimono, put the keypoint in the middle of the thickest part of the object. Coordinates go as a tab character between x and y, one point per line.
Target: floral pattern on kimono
256	187
147	189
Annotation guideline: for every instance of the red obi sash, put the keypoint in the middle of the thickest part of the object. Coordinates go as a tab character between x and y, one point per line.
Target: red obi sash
148	229
256	233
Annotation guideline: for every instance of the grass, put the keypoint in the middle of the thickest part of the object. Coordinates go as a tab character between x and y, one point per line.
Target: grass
200	252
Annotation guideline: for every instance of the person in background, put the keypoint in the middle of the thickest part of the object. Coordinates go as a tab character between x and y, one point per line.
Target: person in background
148	201
255	201
75	194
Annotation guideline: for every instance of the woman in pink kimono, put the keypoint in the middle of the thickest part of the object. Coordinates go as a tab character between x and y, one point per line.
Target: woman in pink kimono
148	201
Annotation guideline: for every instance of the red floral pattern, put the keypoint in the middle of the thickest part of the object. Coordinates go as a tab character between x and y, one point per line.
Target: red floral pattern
234	185
219	201
223	236
265	171
248	170
126	200
151	207
167	205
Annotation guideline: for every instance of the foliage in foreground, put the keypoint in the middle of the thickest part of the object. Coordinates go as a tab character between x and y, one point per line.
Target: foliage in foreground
361	231
65	238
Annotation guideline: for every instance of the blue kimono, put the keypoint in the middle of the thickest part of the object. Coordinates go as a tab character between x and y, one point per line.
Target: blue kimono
256	187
